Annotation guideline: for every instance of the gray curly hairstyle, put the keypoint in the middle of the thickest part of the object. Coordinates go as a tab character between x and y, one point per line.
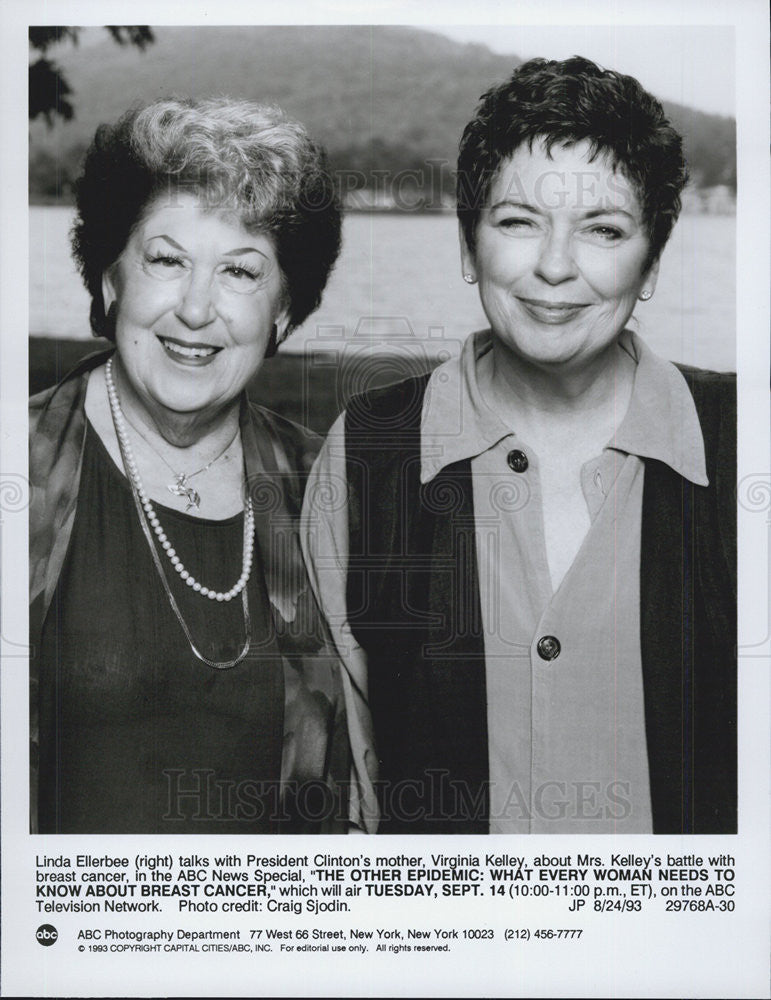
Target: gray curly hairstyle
236	157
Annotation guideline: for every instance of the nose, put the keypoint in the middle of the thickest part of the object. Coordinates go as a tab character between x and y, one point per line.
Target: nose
195	307
555	261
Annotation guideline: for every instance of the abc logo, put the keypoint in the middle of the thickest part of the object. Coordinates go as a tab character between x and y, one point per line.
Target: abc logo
46	934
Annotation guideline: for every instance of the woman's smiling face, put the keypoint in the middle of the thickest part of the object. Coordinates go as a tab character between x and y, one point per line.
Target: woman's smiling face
197	296
561	252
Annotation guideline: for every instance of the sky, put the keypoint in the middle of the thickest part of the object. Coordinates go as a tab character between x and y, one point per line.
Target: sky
678	49
692	65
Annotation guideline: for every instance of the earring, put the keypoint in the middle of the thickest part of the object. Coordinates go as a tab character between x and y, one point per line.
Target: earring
469	279
645	294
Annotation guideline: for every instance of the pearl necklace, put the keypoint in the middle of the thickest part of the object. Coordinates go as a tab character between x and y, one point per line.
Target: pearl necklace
149	519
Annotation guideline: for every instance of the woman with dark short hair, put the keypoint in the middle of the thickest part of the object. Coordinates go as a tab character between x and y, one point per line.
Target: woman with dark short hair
534	580
182	678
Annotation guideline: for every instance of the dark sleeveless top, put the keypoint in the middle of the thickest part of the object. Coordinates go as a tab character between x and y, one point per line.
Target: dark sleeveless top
137	734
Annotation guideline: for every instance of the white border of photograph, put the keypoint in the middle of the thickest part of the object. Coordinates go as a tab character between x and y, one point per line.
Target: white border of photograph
648	957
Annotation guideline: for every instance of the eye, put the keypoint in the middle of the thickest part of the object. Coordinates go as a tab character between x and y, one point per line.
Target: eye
241	271
163	266
514	222
241	277
608	234
164	260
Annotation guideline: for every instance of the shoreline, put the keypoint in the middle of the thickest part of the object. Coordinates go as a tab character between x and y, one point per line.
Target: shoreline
288	383
720	200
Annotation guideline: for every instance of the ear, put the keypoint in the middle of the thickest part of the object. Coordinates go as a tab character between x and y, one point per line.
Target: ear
109	295
282	324
466	257
651	277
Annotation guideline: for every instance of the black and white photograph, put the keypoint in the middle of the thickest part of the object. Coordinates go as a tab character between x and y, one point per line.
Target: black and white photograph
393	464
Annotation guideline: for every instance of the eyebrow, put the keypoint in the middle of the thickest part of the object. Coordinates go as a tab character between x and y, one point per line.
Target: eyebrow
163	236
509	203
238	252
613	210
242	250
591	214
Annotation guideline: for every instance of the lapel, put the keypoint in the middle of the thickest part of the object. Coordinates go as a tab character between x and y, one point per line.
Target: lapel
667	608
413	600
57	440
276	490
688	626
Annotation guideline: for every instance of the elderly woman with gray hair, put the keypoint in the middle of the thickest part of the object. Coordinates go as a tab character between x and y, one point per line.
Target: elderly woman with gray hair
182	680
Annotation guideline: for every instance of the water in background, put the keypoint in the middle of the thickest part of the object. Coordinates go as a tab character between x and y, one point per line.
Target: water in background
398	287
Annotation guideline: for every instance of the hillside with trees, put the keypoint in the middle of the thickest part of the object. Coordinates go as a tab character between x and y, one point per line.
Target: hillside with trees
388	102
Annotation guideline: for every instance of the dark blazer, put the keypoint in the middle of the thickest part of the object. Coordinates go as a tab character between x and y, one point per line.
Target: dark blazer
413	605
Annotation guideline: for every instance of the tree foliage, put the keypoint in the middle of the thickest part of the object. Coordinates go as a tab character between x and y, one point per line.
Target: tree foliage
49	90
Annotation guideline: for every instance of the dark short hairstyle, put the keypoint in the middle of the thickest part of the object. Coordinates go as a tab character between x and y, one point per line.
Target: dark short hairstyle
237	157
564	103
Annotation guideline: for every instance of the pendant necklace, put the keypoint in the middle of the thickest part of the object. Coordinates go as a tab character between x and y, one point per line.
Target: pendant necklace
150	524
180	487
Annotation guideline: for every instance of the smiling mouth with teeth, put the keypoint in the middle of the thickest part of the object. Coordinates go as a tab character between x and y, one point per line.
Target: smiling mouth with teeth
189	351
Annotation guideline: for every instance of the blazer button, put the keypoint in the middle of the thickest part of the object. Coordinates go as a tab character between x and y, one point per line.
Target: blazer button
548	647
517	461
